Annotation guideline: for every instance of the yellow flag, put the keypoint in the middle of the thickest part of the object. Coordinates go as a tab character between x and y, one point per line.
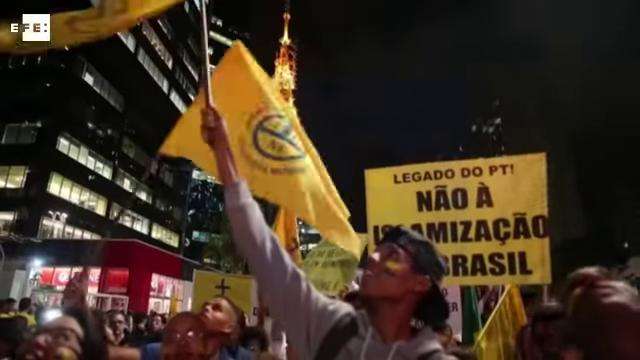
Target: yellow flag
73	28
173	306
209	284
330	187
270	146
330	268
497	341
286	228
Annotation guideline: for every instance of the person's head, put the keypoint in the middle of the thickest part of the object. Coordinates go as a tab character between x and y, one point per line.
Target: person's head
74	335
604	320
582	277
185	338
13	332
547	328
25	305
254	339
155	323
406	268
140	321
9	305
221	315
117	322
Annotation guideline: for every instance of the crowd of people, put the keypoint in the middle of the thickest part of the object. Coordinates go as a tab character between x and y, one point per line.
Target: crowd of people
596	317
217	331
399	311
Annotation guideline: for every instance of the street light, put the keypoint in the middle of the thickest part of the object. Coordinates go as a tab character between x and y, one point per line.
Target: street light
36	262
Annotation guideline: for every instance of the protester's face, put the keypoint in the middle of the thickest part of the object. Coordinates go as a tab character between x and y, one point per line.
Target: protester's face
184	338
156	323
117	324
389	274
219	315
57	339
606	316
220	320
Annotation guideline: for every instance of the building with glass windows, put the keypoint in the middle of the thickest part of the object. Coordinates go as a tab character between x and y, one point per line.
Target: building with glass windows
78	137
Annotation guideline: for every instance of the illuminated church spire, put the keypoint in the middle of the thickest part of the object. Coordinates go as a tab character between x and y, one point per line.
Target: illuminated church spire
285	69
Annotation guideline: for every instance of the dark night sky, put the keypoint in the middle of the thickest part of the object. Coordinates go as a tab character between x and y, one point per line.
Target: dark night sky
393	82
384	83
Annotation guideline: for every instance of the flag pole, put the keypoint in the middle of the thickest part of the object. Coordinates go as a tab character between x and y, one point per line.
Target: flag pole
206	73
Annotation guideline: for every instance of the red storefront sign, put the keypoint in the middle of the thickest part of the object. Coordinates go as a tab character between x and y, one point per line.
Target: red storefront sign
116	281
59	277
46	276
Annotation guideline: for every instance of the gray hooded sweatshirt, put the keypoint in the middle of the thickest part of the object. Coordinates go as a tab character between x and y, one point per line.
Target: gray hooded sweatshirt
306	314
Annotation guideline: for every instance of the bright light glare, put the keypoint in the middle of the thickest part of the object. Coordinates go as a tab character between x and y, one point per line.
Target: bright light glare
51	314
36	262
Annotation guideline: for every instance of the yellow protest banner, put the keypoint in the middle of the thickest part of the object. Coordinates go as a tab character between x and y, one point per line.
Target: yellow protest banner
286	229
238	288
497	340
73	28
329	268
270	147
488	217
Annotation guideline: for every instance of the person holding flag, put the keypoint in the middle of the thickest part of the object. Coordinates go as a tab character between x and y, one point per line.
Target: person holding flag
400	285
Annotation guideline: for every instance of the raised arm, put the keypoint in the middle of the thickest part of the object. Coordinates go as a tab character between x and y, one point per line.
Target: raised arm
305	313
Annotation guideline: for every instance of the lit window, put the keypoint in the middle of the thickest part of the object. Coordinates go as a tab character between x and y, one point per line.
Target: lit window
166	27
65	189
92	77
7	219
20	133
202	176
76	194
177	101
12	177
166	176
153	70
59	229
85	156
129	218
63	145
191	66
162	204
165	235
128	39
157	44
193	44
130	184
74	150
186	84
135	152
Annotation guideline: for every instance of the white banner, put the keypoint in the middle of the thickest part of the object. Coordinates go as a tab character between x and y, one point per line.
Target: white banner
452	294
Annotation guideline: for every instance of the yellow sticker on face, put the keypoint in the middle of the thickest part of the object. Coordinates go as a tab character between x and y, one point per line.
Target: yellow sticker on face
394	266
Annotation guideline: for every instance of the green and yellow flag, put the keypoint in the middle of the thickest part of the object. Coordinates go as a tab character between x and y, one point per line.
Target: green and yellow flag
73	28
271	149
497	341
